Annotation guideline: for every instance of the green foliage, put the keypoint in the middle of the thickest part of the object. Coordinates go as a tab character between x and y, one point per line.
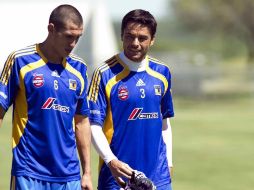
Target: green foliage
173	36
225	17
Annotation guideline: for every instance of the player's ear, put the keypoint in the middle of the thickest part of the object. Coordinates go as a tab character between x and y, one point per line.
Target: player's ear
152	41
51	27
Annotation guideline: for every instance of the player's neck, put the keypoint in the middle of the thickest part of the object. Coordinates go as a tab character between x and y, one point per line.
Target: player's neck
49	53
133	66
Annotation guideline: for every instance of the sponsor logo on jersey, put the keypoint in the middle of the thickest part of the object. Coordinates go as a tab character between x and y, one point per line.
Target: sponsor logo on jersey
157	90
140	83
55	73
123	93
137	114
49	104
38	80
72	84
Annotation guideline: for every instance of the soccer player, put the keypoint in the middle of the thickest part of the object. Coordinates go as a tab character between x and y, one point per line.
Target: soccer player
131	103
46	85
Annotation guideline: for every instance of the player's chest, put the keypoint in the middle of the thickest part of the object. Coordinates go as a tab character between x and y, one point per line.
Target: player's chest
139	87
55	80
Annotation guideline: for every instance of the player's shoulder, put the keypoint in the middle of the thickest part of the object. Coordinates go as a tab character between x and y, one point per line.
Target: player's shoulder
76	60
158	65
26	51
109	65
21	57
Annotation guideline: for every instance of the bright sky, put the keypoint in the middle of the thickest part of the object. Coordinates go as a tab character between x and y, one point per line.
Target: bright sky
158	8
25	22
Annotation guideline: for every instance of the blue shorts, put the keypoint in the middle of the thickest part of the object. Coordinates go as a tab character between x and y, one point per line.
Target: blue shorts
27	183
165	187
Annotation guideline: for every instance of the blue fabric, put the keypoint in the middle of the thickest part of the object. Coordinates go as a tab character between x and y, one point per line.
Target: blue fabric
27	183
130	106
45	97
165	187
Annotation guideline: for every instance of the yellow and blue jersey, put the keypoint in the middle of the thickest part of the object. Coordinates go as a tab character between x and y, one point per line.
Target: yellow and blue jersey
130	106
45	97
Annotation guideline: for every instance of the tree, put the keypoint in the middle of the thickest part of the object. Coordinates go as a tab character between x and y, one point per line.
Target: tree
230	17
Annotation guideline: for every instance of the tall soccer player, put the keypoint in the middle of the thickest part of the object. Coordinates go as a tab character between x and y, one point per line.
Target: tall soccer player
46	85
131	103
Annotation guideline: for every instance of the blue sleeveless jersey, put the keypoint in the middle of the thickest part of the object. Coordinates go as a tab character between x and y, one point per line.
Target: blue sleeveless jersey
130	106
45	98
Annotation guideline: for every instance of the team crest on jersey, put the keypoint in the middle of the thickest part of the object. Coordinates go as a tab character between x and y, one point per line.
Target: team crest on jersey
72	84
123	93
138	114
157	90
38	80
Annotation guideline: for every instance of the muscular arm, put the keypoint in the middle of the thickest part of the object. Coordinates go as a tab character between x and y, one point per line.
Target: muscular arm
167	137
83	138
2	113
118	168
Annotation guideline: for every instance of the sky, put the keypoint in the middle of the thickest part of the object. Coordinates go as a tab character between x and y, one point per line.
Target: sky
25	22
117	8
120	7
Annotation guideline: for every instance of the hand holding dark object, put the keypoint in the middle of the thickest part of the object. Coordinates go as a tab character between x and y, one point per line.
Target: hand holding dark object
139	181
120	169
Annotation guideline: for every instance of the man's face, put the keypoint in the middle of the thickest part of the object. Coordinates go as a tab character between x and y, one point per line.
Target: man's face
66	39
137	40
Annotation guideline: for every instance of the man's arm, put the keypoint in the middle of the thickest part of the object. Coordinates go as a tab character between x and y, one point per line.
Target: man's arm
167	137
2	113
118	168
83	138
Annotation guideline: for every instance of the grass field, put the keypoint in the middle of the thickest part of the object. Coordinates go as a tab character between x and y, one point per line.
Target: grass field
213	145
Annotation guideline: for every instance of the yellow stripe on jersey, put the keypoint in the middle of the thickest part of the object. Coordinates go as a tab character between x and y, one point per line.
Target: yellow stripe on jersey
76	58
69	68
5	73
158	76
158	61
10	61
115	80
108	128
95	83
20	112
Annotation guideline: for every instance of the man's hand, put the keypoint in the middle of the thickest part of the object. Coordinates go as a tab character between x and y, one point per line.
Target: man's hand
86	182
139	181
120	169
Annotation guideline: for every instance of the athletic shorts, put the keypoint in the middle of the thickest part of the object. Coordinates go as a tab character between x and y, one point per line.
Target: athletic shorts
27	183
165	187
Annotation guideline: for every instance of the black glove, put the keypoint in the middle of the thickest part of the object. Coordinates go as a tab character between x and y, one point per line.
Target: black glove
139	181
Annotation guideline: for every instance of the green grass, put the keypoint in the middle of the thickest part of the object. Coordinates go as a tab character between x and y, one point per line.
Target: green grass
213	145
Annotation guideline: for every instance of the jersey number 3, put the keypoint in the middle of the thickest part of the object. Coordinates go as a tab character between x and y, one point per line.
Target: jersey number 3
142	91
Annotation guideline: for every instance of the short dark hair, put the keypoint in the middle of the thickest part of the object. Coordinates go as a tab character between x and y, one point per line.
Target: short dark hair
142	17
65	12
